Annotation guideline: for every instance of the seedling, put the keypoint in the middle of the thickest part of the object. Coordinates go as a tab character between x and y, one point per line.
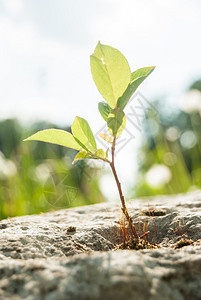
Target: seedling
114	80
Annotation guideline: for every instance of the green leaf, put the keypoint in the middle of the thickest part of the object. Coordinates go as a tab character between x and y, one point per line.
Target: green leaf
116	122
56	136
142	72
106	137
83	134
111	73
100	154
104	110
137	78
81	155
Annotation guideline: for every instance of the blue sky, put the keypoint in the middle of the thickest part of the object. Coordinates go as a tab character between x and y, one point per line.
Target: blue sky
45	48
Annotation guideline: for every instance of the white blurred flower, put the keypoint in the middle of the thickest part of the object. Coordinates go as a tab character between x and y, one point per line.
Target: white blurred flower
172	134
42	172
7	167
188	139
170	158
158	175
191	101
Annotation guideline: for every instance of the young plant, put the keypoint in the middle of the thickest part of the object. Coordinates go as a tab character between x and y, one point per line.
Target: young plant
116	83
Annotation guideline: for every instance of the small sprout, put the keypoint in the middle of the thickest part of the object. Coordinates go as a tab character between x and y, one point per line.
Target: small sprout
114	80
135	244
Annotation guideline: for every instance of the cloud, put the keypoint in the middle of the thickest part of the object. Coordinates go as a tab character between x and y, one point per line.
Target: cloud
132	20
37	73
44	67
14	7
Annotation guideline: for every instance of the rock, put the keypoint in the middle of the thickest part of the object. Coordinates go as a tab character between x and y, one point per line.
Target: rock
69	254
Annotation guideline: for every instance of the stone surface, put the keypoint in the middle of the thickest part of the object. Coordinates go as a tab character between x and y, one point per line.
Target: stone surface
69	254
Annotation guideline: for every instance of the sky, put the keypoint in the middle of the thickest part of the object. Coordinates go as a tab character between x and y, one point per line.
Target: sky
45	48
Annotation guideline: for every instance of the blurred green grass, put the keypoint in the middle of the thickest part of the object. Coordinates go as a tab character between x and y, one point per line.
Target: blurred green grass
170	155
38	177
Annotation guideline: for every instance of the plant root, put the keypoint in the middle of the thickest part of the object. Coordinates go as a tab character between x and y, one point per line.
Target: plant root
136	244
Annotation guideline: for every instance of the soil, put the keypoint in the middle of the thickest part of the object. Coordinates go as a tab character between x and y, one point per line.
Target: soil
87	253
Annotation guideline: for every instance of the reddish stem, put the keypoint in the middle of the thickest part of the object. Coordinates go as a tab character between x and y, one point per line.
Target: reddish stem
124	208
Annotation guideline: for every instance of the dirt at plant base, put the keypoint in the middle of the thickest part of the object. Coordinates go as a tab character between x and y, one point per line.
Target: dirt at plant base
70	254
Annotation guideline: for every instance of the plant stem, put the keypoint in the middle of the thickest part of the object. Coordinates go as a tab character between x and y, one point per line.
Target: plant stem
124	208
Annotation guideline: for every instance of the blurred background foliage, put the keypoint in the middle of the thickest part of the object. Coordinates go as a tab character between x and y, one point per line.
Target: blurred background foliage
38	177
170	154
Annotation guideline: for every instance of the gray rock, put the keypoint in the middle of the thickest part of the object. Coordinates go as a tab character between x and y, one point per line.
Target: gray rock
46	257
